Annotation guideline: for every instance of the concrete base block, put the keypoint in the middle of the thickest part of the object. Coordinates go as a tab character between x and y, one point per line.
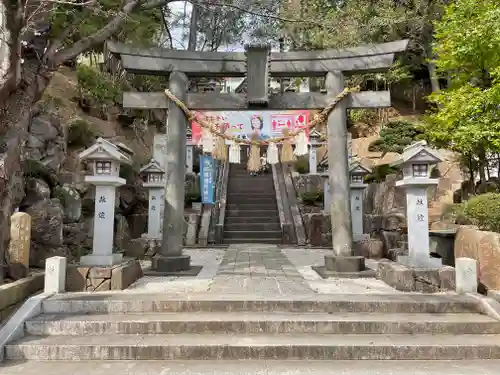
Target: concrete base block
347	267
192	271
344	264
325	274
172	264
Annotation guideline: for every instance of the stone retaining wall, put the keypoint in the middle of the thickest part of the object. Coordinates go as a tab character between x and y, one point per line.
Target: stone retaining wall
101	279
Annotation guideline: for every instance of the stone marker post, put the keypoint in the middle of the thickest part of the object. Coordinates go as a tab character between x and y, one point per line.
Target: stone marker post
106	158
466	275
416	162
171	258
189	157
314	137
20	236
55	275
155	183
357	172
327	197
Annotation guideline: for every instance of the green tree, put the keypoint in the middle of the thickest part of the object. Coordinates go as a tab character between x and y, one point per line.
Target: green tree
467	115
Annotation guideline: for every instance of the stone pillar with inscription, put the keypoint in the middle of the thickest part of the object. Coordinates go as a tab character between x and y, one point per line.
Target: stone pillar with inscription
416	162
189	158
20	236
357	173
105	158
154	181
314	137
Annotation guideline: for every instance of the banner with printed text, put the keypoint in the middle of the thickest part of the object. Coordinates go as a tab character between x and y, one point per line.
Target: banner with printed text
261	125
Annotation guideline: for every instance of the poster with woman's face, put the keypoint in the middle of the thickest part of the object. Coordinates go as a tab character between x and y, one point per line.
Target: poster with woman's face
259	125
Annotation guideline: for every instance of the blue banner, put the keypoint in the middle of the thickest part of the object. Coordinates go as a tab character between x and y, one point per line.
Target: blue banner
207	173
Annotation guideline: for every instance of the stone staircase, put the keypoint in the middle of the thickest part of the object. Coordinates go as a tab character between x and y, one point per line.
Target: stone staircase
133	326
251	210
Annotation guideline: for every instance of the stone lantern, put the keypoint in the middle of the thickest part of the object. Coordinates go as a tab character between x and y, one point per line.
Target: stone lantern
416	161
315	143
154	176
105	158
357	174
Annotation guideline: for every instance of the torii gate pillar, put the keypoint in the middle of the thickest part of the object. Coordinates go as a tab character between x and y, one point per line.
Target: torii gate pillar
171	259
342	262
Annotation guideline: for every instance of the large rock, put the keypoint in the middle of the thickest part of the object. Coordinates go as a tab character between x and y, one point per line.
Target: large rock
485	248
46	231
46	142
71	202
36	190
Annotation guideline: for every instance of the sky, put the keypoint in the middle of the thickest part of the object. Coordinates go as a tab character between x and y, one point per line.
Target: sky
177	8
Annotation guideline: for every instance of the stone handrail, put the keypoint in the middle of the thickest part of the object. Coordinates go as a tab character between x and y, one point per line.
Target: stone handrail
212	211
221	203
286	221
294	207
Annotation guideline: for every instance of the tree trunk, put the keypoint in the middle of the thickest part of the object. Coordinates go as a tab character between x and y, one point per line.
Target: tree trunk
433	77
15	116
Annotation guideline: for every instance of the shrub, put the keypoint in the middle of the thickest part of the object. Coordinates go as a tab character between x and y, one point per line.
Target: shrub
192	197
80	134
97	85
301	165
128	173
311	197
380	172
395	136
484	211
366	116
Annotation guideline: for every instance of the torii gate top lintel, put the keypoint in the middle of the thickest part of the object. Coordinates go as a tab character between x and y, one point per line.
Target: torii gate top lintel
256	61
161	61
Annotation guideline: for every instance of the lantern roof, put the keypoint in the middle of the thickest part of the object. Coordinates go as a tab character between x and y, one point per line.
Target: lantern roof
420	153
103	149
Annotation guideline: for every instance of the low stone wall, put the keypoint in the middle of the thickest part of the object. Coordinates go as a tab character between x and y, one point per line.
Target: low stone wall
484	247
12	295
101	279
422	280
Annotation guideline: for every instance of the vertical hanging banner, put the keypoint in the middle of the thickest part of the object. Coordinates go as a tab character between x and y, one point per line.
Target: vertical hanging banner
207	172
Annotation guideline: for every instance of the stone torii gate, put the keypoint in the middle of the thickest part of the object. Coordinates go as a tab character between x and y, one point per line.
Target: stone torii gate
258	64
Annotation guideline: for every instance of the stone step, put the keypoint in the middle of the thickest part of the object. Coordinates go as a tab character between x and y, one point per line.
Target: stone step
245	189
125	303
252	206
262	241
251	200
255	322
272	219
252	195
252	226
259	234
187	346
235	367
251	213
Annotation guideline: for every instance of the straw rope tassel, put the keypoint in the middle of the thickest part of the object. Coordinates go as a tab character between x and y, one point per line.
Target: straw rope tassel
207	141
272	153
286	149
235	153
220	151
300	144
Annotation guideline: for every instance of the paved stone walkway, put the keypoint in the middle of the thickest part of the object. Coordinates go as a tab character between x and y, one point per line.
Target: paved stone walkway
255	368
259	270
